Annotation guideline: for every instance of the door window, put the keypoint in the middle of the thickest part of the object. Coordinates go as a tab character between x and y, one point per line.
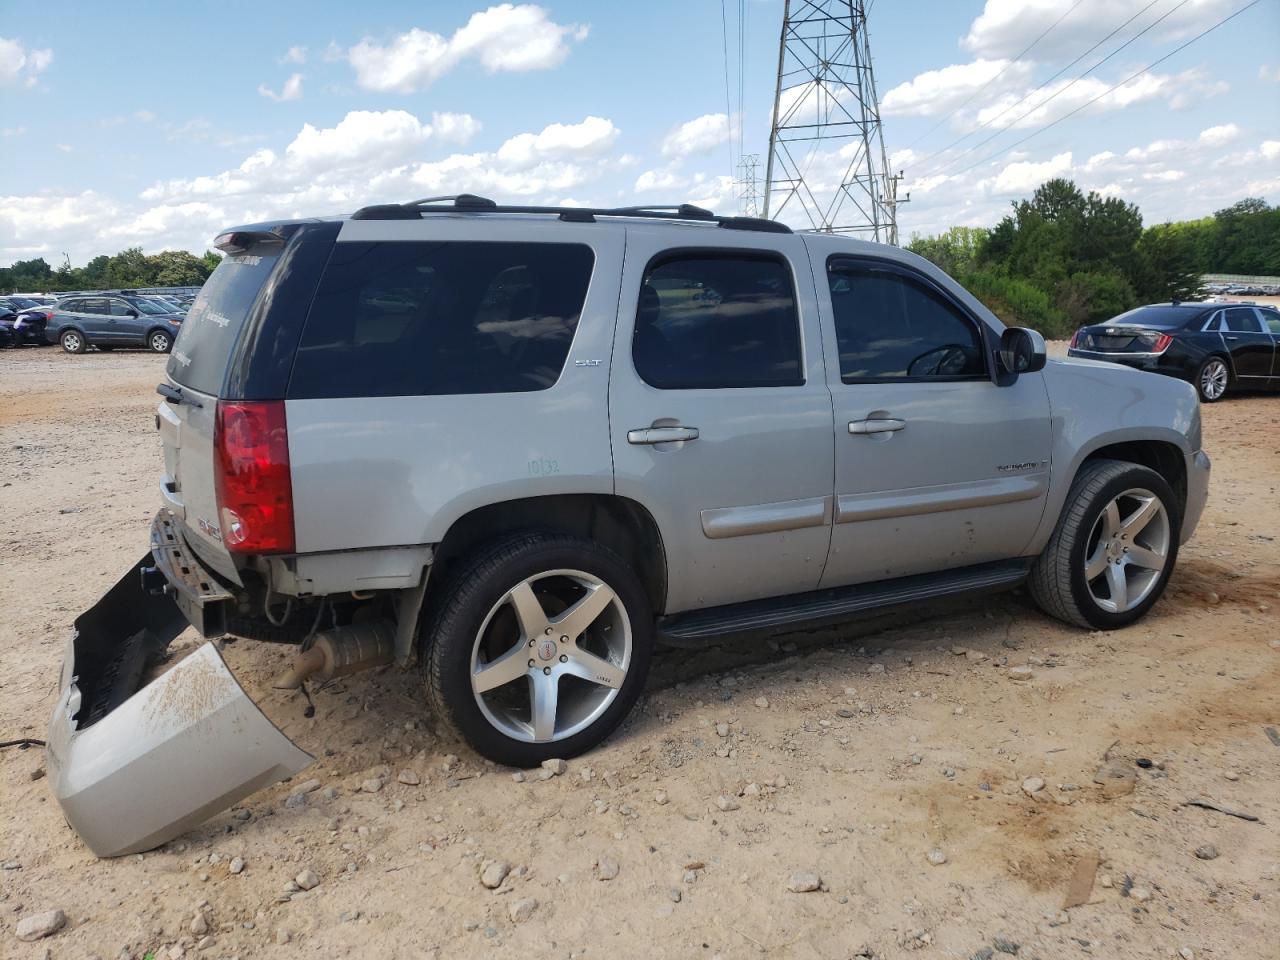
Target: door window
1242	320
94	305
717	320
892	325
119	308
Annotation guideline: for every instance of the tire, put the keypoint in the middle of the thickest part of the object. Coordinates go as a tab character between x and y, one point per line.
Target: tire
159	341
597	674
1060	580
73	341
1212	380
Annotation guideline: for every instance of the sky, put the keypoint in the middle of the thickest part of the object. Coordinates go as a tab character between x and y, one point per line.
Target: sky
157	125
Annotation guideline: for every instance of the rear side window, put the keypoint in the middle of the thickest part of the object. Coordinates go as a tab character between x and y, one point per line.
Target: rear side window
1243	320
717	320
94	305
210	329
420	319
891	325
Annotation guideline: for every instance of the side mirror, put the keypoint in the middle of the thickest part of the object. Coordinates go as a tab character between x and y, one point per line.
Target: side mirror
1021	351
131	312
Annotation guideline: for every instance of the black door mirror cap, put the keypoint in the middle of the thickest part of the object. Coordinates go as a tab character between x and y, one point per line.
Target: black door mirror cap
1022	350
131	312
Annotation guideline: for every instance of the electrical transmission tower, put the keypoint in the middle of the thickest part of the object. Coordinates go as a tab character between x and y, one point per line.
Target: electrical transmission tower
827	161
748	184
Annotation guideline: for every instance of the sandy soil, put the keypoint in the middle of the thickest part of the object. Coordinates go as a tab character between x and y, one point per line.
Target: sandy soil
854	754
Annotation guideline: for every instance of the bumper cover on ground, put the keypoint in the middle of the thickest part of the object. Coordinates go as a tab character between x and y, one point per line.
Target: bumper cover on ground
134	764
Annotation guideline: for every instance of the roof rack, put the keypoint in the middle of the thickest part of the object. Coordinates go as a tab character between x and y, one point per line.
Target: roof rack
469	203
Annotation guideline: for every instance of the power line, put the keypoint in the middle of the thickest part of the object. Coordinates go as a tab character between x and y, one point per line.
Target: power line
1148	67
1002	72
728	108
946	164
1025	97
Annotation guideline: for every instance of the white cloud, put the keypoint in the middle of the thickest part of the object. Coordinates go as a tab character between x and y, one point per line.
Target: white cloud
1220	135
295	55
659	179
454	127
1025	176
20	66
1165	176
1270	149
590	138
65	147
697	135
937	91
1272	74
292	89
506	37
143	116
13	131
1006	27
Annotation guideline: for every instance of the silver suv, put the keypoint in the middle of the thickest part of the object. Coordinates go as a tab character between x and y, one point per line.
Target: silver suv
520	446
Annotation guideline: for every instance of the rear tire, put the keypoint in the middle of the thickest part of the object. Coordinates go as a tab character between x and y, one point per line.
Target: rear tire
1119	522
73	341
159	341
1212	379
562	684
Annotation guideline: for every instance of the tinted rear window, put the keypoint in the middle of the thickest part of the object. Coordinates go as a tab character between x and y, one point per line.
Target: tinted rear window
210	328
1160	318
415	319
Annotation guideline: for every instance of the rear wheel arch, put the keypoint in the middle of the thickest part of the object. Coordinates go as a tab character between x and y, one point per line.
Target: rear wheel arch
621	524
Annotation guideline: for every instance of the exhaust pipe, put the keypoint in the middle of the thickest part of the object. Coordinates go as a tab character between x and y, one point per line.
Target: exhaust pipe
340	652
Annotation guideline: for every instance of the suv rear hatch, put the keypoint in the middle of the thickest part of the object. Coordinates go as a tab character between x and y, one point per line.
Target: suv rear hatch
234	351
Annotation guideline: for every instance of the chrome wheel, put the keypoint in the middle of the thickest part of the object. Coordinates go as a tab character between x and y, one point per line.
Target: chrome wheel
1213	379
160	342
71	342
551	656
1127	550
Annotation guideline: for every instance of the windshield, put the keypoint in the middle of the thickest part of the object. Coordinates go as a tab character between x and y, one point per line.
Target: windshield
152	307
21	303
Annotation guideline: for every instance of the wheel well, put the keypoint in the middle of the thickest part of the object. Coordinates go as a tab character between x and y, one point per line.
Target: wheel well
620	524
1164	458
167	333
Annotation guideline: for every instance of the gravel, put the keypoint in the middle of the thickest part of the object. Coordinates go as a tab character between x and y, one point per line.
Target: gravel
804	881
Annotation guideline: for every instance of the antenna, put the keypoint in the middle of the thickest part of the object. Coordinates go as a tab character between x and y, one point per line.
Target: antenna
827	165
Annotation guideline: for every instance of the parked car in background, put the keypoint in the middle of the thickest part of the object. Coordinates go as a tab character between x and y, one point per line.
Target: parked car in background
1214	346
107	321
7	337
28	320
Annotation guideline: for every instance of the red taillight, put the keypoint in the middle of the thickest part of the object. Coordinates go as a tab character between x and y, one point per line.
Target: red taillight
1162	343
254	487
1075	338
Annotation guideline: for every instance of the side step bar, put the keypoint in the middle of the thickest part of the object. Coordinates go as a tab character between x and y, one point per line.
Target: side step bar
820	607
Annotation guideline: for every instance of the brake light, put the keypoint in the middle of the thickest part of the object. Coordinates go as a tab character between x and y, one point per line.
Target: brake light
254	485
1075	339
1162	343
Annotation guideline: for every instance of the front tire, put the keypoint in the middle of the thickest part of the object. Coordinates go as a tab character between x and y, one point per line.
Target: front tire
1212	379
538	648
73	341
1114	548
159	342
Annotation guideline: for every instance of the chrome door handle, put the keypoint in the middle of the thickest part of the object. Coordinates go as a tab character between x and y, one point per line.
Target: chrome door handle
1230	338
887	425
651	435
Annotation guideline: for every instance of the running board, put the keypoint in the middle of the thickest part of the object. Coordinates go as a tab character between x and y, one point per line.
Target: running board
819	607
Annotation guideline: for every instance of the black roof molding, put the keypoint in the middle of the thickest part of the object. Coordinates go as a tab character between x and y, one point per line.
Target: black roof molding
470	203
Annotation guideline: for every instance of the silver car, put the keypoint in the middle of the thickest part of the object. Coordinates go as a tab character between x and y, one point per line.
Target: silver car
520	446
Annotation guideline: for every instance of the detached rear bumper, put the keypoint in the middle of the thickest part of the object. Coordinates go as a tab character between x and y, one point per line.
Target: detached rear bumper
135	763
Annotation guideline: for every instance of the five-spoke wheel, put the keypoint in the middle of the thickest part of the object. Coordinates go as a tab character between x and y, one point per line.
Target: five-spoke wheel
1129	548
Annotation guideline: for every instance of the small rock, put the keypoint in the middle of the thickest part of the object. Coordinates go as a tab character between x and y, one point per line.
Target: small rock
804	881
522	910
236	865
493	872
199	925
307	880
409	778
307	786
283	936
1006	946
660	797
937	857
556	766
372	785
1210	598
1207	852
1032	785
762	703
876	668
845	713
41	925
1186	953
606	869
975	656
674	894
726	803
518	776
1020	673
1141	894
722	730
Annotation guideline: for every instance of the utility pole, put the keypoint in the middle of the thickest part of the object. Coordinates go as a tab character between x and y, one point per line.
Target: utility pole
827	166
748	185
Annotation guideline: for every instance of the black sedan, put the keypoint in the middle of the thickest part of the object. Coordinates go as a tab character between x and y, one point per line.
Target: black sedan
25	319
1214	346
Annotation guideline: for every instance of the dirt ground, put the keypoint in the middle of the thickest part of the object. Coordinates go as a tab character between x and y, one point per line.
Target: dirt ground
862	754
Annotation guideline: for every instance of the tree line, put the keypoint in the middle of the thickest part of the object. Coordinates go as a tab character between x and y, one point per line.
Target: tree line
1064	258
128	268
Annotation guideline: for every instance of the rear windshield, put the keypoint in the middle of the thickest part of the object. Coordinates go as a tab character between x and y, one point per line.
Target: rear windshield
211	326
1158	318
416	318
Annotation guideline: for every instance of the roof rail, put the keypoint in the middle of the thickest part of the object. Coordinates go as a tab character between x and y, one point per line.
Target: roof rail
469	203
